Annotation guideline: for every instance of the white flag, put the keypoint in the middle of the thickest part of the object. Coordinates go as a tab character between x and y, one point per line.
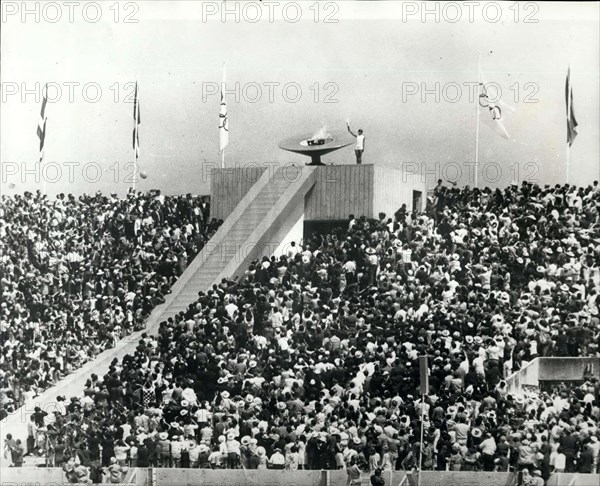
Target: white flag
223	120
136	123
495	110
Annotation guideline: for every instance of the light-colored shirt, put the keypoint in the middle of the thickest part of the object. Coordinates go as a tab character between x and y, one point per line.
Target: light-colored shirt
360	142
277	459
488	446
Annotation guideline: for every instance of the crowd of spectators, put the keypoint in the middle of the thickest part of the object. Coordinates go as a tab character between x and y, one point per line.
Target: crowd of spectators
310	360
79	274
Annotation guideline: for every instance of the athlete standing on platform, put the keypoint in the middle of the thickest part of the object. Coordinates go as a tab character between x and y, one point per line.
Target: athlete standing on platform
359	148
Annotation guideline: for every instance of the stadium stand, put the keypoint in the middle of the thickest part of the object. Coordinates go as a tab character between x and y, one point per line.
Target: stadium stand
310	360
79	274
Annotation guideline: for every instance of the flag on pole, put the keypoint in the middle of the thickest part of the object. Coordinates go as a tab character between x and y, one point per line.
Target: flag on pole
223	120
136	123
489	97
41	129
571	121
424	375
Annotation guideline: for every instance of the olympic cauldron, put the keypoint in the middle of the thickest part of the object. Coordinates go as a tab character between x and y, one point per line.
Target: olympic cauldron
314	146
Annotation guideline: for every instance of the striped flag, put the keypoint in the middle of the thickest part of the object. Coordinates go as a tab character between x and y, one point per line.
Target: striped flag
41	129
223	120
571	121
136	123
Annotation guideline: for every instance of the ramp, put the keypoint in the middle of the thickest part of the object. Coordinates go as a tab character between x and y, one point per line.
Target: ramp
261	220
254	229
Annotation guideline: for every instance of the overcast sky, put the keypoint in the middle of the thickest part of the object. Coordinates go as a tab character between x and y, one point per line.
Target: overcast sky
366	66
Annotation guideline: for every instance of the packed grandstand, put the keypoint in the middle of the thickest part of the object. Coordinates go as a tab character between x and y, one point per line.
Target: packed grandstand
310	359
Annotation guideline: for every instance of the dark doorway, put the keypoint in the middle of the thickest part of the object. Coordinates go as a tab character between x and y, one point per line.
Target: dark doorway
417	201
312	228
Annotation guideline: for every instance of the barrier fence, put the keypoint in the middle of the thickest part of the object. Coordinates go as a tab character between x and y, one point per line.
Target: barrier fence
239	477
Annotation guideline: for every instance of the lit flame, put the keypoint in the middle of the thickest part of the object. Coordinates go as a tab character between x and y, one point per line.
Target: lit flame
321	134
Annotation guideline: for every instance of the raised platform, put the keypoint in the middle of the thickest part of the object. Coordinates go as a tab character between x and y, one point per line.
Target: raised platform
340	190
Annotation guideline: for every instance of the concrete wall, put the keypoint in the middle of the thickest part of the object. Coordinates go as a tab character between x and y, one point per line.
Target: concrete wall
238	477
527	376
31	475
553	369
457	478
208	477
567	369
572	479
229	186
393	188
296	234
55	476
340	190
433	478
199	477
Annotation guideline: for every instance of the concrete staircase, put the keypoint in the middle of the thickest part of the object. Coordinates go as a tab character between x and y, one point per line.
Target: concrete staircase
254	229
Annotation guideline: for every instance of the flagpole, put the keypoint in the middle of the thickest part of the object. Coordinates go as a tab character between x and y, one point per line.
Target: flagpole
133	179
568	161
568	121
42	171
223	159
477	120
135	131
422	434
